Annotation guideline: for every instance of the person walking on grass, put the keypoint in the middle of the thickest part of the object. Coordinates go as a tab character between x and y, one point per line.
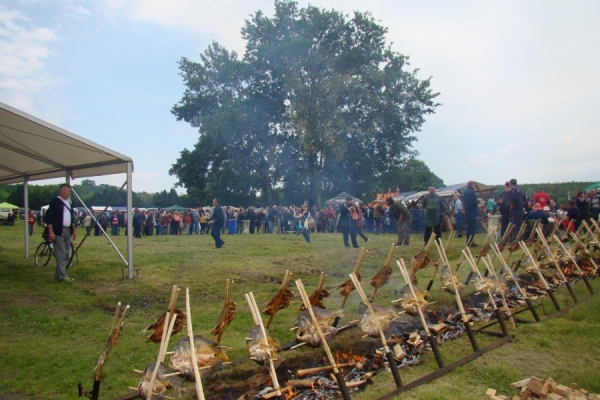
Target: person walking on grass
61	230
403	220
217	221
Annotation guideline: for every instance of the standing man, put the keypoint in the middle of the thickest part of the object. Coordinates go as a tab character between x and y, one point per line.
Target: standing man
471	211
138	221
31	221
542	198
516	204
434	209
346	223
378	213
403	218
458	214
504	204
61	230
216	222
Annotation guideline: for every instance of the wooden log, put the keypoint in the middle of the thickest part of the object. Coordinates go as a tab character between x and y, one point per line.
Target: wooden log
311	371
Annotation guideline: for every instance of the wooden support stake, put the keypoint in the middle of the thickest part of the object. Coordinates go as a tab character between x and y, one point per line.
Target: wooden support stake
490	268
265	341
190	332
308	306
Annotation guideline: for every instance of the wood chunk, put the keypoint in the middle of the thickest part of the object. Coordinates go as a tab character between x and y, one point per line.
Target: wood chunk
554	396
516	398
525	394
503	397
535	385
545	388
438	328
398	353
520	384
584	392
413	336
496	398
490	392
561	389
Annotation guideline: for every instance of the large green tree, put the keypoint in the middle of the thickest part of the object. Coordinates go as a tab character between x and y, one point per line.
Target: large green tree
319	103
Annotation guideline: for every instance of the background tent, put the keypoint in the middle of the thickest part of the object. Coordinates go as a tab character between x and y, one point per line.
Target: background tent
595	186
7	205
176	208
341	199
481	190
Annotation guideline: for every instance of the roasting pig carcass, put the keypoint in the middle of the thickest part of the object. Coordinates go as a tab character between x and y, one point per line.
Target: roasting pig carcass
208	354
258	350
306	330
158	326
347	287
383	316
161	383
410	304
447	276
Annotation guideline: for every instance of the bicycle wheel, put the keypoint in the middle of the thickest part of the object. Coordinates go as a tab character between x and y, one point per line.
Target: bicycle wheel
71	256
43	253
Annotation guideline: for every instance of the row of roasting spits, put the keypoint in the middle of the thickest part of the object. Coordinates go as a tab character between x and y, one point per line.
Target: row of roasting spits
315	324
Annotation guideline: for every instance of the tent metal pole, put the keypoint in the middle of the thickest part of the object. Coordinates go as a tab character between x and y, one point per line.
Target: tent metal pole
100	226
26	214
129	219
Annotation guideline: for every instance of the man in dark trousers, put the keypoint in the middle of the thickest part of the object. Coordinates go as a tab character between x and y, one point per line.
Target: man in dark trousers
138	221
346	223
471	211
61	230
403	219
516	205
216	222
434	209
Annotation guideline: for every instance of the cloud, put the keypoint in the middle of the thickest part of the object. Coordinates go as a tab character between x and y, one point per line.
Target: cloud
220	20
23	48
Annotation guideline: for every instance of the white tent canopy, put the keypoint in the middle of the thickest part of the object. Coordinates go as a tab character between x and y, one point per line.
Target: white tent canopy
32	149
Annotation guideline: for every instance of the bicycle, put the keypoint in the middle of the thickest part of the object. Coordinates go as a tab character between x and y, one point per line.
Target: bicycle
45	251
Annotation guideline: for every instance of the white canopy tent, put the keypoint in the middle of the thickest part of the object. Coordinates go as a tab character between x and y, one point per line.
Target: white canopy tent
32	149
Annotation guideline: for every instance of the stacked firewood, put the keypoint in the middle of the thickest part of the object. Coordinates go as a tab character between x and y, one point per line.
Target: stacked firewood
536	388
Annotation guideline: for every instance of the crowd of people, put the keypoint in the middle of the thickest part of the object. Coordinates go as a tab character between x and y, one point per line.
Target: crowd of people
428	215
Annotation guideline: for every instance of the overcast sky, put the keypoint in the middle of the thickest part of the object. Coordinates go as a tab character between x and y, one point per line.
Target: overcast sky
519	80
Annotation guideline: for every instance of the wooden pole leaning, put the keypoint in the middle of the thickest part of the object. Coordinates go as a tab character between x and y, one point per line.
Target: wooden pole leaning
576	266
519	288
440	261
430	338
387	265
359	262
190	332
485	248
340	379
166	336
499	316
264	339
388	352
514	245
557	265
463	314
490	268
462	257
541	277
583	248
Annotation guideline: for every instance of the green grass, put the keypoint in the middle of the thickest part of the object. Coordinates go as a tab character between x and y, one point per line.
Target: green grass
52	334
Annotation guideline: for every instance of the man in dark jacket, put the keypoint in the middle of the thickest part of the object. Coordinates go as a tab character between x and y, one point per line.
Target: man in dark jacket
138	221
346	223
434	209
471	211
403	220
216	222
516	205
61	230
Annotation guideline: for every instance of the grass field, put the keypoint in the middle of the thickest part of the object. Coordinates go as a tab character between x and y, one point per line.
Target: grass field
52	333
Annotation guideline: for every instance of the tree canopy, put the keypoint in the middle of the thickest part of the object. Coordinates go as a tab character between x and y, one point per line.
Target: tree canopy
318	104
